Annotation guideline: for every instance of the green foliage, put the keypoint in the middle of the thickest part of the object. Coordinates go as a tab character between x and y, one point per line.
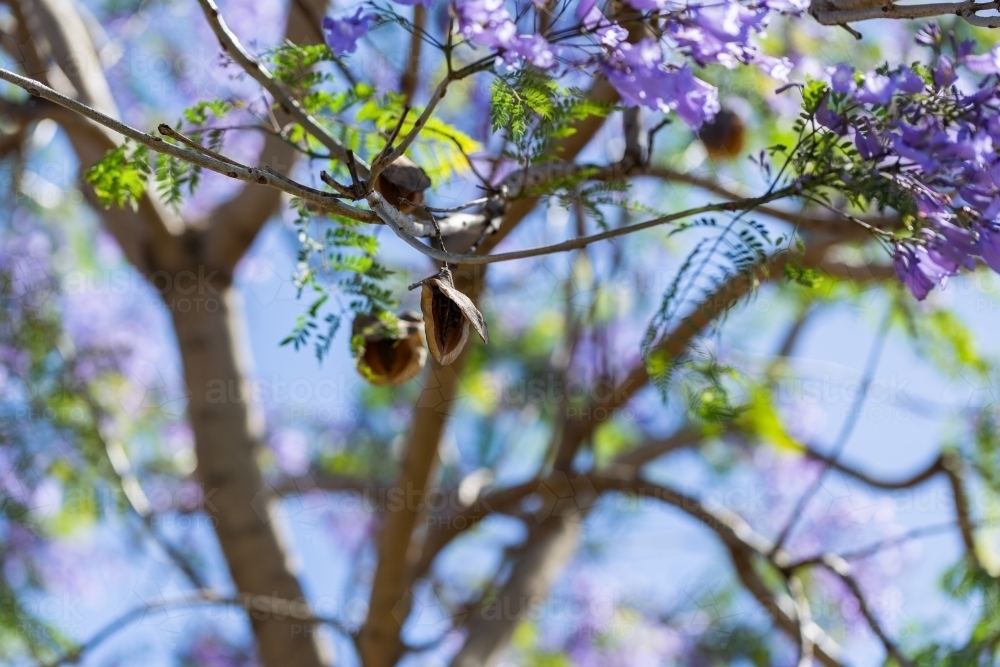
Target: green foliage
120	177
707	395
802	275
199	113
123	175
441	149
293	64
535	111
976	589
703	286
944	339
342	264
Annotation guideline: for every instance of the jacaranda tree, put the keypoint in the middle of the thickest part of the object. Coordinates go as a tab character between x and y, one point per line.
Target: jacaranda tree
533	242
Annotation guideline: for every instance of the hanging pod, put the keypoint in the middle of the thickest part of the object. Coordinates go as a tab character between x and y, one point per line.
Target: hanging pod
403	179
447	316
725	136
388	354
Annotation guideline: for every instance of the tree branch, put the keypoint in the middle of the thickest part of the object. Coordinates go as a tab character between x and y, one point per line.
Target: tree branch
323	200
397	221
744	544
231	45
967	10
234	224
490	628
149	236
259	604
842	569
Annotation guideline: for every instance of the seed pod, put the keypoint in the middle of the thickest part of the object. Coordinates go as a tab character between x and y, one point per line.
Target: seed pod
447	316
388	354
724	137
403	179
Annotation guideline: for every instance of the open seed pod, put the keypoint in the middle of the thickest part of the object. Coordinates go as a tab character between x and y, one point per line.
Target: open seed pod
388	354
724	137
403	179
447	316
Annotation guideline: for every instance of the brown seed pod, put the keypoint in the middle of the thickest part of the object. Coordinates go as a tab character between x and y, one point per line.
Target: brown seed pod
403	179
724	137
447	316
388	354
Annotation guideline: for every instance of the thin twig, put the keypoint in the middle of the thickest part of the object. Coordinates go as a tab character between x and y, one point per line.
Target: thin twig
257	603
966	10
454	209
880	545
410	77
168	131
231	45
325	201
842	569
846	429
404	227
804	616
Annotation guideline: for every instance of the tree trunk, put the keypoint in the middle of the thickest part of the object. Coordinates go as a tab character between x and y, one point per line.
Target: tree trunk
227	425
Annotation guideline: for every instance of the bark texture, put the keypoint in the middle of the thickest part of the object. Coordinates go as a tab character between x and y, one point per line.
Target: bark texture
195	259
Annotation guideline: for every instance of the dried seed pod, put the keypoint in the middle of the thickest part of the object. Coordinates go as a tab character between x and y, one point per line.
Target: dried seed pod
403	179
388	354
447	316
725	136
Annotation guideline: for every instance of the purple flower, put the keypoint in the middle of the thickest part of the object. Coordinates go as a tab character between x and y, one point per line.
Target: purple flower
610	34
947	256
842	79
929	35
908	81
916	271
989	245
718	32
638	74
944	73
987	63
489	23
776	68
533	48
794	7
877	89
425	3
342	35
485	21
649	5
867	142
826	117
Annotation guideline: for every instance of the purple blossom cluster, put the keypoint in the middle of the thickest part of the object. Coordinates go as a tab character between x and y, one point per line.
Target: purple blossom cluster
342	34
719	33
937	143
638	75
488	22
